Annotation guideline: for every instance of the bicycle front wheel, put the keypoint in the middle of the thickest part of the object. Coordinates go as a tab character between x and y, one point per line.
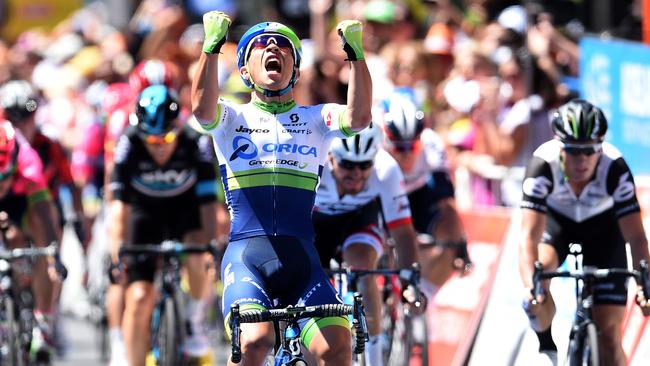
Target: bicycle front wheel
408	336
583	347
9	343
168	337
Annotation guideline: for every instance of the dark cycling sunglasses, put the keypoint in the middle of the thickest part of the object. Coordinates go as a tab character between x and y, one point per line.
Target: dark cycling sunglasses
587	150
350	165
263	40
403	146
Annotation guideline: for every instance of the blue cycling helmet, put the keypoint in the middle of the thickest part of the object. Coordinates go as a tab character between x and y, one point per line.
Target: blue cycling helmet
269	28
156	109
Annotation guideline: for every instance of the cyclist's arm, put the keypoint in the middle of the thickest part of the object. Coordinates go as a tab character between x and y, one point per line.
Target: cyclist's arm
205	88
359	99
119	212
42	219
208	221
537	185
632	228
532	228
404	237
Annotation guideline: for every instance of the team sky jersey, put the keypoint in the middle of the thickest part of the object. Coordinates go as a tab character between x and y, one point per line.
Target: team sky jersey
431	158
385	182
188	174
611	188
271	157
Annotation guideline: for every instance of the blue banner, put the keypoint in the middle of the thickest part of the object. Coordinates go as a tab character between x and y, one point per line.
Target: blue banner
615	75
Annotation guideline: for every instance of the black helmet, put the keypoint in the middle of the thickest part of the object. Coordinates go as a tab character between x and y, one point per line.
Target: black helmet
579	121
156	109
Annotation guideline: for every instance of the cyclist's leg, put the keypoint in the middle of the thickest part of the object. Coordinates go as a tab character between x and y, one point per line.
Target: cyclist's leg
136	324
607	250
243	285
328	339
363	255
609	321
114	311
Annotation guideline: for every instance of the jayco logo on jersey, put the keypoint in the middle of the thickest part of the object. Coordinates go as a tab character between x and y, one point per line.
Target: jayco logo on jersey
251	130
290	148
243	148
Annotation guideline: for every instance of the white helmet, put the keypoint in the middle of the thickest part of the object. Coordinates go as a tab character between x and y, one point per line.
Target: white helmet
18	99
361	147
403	118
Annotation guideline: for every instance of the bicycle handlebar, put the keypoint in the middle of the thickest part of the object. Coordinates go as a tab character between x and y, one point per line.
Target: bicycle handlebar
411	275
169	248
460	246
51	250
298	312
590	272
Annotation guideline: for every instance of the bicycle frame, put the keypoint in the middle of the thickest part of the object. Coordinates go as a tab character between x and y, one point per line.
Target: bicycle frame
170	293
290	352
583	320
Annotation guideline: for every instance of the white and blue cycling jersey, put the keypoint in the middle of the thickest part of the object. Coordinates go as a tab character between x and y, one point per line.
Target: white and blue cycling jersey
271	157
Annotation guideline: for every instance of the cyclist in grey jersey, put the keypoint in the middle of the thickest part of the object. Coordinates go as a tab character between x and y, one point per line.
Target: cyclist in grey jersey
271	153
578	189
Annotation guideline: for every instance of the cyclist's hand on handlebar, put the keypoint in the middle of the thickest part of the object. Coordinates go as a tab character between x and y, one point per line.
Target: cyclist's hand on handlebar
533	306
643	303
416	302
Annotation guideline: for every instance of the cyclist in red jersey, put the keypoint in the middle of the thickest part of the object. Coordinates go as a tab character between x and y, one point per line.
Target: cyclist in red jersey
20	102
25	197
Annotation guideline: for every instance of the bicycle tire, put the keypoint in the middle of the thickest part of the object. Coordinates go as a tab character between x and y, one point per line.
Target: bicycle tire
583	347
167	335
419	349
400	340
8	331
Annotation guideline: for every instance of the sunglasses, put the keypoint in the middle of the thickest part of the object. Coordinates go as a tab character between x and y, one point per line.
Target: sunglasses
350	165
403	146
587	150
163	139
263	40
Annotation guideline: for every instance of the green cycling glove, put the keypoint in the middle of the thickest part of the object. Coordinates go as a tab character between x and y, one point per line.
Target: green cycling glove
350	33
215	25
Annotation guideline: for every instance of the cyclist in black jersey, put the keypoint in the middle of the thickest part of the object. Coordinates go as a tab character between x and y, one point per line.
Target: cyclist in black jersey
578	189
163	186
271	152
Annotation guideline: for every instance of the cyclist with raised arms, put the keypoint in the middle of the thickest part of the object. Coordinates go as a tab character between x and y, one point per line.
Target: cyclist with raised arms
421	156
271	153
361	183
578	189
163	187
25	197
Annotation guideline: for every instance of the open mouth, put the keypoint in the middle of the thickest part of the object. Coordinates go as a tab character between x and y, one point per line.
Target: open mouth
272	64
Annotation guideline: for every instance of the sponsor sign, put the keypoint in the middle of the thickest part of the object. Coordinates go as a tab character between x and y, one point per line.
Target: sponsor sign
615	75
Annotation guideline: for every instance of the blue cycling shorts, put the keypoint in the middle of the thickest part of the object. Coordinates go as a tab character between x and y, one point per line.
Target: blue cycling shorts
274	272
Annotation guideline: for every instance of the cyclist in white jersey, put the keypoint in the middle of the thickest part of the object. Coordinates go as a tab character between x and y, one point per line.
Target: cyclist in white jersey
578	189
361	182
420	153
271	153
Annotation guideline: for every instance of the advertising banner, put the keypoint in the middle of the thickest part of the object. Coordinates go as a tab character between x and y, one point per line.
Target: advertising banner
615	75
21	15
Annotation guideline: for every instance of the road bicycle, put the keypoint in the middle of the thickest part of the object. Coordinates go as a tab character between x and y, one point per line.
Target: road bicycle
288	348
583	339
404	332
17	304
168	324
